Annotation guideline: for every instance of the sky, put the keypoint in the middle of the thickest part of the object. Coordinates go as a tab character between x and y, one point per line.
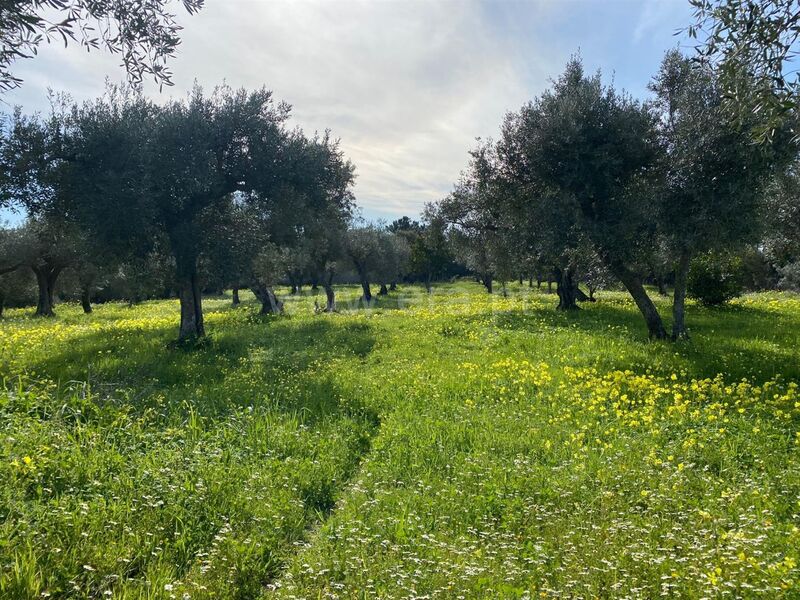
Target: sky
406	85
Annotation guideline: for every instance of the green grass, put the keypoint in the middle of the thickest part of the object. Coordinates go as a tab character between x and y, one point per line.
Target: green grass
453	445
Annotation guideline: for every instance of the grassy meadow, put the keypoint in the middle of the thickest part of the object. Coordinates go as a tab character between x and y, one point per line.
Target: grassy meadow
457	445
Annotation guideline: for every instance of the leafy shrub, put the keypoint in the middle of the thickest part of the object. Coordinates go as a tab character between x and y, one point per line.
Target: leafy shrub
715	278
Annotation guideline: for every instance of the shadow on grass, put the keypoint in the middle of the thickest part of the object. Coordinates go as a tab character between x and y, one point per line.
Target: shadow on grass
737	341
248	361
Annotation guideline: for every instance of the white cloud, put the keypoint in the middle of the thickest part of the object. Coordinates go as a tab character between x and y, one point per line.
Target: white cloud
406	85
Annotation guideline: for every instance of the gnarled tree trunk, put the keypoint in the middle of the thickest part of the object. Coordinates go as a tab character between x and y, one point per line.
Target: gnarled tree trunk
44	304
236	301
486	280
384	291
366	296
566	288
330	298
86	300
184	239
270	305
330	295
632	283
679	298
191	307
327	285
46	278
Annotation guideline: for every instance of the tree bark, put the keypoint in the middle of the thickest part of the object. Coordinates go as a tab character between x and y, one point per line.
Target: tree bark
367	293
44	305
270	305
46	278
486	280
2	303
679	297
567	289
236	301
86	300
327	285
393	286
384	291
330	298
191	307
632	283
428	287
549	286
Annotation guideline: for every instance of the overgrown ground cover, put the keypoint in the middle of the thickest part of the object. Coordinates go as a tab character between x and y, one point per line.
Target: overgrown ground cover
457	445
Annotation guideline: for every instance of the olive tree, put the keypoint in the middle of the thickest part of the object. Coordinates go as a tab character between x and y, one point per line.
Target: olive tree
363	247
479	227
47	247
393	260
147	171
781	238
430	249
15	281
713	174
17	288
301	223
589	151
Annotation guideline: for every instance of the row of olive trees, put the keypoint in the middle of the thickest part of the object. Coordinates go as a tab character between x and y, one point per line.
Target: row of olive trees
215	183
586	179
207	193
35	261
35	268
